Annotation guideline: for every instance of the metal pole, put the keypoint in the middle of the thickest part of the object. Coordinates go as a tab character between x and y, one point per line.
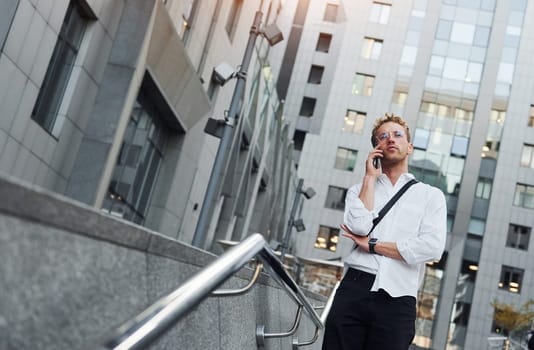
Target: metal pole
285	242
221	159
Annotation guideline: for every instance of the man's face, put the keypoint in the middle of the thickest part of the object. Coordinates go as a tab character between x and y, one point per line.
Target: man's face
393	141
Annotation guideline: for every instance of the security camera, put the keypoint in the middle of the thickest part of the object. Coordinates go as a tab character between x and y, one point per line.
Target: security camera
222	73
272	34
310	192
299	225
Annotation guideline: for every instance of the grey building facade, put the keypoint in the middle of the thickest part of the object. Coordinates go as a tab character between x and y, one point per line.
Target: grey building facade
106	102
460	73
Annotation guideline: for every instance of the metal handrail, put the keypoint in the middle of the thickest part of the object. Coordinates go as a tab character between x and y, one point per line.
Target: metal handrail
243	290
154	321
326	310
261	335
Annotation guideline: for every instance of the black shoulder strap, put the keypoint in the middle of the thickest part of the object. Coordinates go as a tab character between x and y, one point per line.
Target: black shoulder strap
390	203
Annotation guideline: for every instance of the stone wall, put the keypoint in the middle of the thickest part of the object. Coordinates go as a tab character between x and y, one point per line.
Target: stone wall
69	275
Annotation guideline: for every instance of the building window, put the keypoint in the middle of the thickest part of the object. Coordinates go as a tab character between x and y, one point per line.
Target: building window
459	146
463	114
511	279
495	328
491	149
138	164
316	74
527	157
531	117
345	159
497	116
327	238
371	48
46	109
421	138
298	140
518	237
462	33
400	97
477	226
483	189
363	84
354	121
335	199
380	13
307	107
233	17
524	196
461	313
330	14
323	43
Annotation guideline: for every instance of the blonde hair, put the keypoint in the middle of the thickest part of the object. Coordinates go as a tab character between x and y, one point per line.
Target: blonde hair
390	117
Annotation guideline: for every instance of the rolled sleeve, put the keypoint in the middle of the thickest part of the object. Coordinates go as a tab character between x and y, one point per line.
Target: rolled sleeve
357	217
429	243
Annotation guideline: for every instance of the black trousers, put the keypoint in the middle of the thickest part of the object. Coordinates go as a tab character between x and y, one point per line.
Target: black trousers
363	320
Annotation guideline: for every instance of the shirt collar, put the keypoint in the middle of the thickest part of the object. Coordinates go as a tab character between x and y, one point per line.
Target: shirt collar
404	178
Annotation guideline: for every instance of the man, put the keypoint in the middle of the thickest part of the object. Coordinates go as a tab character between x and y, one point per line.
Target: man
375	304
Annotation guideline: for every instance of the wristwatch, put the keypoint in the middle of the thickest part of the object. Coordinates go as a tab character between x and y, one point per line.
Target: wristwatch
372	243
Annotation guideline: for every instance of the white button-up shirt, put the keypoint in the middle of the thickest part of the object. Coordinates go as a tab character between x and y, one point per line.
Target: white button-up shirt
417	222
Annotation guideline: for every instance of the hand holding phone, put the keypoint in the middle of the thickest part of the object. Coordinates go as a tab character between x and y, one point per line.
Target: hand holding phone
376	160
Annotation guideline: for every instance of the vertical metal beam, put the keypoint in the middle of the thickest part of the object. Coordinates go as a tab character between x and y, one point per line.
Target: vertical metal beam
221	159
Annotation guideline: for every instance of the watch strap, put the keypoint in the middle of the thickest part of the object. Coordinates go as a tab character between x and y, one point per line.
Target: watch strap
372	243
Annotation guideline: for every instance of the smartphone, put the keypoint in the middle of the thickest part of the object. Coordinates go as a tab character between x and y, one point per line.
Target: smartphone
376	160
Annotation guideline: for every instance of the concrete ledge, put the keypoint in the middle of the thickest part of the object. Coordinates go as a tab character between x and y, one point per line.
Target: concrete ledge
36	204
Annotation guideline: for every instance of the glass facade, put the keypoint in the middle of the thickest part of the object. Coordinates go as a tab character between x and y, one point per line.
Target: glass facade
138	164
442	134
448	67
46	109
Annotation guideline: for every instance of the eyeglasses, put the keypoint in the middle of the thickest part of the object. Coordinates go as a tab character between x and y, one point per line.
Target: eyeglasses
383	136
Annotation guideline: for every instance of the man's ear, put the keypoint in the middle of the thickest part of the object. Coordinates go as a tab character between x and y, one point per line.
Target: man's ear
410	148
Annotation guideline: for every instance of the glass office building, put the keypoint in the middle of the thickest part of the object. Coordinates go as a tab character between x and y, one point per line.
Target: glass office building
460	73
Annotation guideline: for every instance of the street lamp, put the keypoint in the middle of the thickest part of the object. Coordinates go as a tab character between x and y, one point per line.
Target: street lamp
298	224
222	74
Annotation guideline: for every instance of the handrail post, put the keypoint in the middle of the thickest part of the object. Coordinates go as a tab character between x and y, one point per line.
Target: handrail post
261	335
232	292
326	310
